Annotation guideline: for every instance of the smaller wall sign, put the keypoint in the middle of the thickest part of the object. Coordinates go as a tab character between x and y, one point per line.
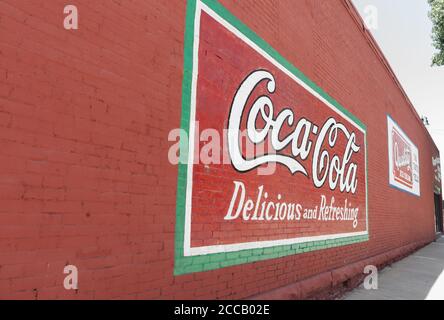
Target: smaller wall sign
403	160
436	161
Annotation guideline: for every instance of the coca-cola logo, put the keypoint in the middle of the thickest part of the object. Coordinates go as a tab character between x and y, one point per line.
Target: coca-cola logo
306	137
403	157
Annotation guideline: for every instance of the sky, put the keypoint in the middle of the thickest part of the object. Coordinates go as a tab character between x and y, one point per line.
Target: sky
403	32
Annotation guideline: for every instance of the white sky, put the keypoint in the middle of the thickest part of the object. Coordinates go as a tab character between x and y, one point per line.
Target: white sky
404	35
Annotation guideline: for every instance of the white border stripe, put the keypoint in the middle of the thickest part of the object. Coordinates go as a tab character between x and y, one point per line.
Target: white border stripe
188	204
270	243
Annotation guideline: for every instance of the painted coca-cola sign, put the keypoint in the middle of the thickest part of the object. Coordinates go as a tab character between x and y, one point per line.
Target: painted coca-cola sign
291	174
403	160
436	162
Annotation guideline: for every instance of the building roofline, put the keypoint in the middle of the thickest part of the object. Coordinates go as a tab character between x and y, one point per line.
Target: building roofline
377	50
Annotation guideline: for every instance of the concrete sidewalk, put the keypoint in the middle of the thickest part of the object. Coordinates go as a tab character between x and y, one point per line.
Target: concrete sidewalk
417	277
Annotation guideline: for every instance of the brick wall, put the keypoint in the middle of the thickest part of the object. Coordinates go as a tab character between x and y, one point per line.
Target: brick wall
84	120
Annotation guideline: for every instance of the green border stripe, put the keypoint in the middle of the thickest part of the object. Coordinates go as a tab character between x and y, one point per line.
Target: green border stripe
185	126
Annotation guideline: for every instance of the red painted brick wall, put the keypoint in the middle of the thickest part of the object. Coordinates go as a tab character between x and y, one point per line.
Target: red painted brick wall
84	120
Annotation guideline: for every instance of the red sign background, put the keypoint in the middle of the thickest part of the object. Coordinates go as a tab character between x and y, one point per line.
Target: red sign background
224	62
403	174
